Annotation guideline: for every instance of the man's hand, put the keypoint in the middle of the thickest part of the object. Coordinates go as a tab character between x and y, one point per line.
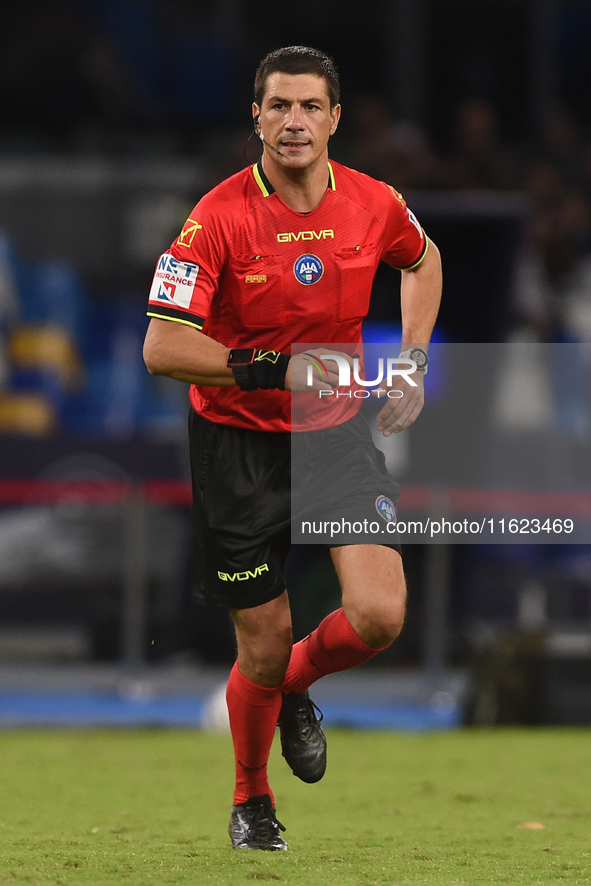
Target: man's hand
400	412
325	373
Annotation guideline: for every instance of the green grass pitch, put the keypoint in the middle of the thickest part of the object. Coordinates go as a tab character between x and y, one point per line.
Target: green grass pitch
152	807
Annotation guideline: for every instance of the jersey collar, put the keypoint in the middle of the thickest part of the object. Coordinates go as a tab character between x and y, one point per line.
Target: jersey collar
267	188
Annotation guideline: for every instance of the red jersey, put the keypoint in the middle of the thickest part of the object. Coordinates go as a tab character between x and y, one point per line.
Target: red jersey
250	272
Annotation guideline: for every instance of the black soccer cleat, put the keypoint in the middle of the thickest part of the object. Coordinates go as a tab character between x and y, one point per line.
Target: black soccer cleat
303	742
253	825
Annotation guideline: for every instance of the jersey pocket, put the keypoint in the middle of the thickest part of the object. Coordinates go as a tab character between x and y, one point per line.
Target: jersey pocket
258	283
356	268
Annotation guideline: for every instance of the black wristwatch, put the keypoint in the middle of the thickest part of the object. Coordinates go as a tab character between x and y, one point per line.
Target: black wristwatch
239	360
420	357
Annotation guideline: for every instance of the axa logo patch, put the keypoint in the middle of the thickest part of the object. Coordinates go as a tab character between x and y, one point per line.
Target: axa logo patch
385	508
294	236
308	269
174	281
244	576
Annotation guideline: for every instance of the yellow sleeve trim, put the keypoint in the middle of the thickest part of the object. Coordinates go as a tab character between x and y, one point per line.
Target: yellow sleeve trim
175	320
420	259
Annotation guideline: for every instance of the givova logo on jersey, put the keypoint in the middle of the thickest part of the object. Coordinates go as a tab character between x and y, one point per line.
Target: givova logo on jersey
308	269
174	281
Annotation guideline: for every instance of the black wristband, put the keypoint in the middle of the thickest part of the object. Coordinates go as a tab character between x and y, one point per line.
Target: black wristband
268	370
254	370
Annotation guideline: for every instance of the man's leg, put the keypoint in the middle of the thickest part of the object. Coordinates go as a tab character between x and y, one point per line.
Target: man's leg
253	694
374	600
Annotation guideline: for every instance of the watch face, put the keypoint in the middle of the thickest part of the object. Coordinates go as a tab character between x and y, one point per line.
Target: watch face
241	356
419	357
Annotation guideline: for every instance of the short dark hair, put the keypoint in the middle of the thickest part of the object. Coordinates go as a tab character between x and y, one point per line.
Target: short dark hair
298	60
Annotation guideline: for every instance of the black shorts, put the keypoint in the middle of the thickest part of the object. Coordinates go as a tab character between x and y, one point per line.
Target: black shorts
342	493
242	505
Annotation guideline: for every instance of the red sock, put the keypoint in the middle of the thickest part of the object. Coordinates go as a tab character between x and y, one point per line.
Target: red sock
254	711
333	646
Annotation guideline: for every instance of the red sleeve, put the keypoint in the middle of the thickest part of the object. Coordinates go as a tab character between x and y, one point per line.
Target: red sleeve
186	276
405	242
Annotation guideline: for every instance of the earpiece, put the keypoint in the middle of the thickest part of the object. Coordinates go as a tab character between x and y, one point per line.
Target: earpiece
257	129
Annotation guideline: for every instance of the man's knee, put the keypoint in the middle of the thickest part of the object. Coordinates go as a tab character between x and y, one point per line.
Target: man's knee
379	625
374	591
266	662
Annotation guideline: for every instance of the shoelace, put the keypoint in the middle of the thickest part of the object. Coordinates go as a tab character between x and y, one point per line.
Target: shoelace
307	715
264	824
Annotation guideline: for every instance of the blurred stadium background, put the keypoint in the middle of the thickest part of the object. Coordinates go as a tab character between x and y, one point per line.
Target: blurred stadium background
115	118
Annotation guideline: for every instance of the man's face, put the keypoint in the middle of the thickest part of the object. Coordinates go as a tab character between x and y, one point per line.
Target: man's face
296	118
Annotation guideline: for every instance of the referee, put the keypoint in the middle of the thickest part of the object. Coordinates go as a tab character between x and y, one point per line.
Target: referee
286	251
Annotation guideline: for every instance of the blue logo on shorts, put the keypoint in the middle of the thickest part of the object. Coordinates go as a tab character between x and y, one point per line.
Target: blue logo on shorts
308	269
385	508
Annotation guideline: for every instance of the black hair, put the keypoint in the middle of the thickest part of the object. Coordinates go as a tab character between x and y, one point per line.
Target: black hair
298	60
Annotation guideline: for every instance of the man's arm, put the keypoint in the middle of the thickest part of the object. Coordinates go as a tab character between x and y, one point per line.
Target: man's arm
420	296
182	352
